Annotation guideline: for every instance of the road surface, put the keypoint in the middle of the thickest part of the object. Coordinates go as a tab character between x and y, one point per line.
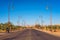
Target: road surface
30	34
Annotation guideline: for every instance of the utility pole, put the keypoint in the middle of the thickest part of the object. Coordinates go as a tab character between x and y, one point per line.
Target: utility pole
41	17
9	15
24	23
51	17
18	21
12	4
8	28
9	12
37	22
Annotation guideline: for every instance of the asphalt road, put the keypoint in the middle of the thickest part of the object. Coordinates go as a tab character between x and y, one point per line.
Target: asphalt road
30	34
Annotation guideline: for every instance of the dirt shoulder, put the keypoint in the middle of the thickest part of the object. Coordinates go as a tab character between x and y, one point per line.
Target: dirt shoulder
52	33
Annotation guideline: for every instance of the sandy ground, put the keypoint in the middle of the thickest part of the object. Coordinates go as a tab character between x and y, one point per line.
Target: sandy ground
52	33
3	33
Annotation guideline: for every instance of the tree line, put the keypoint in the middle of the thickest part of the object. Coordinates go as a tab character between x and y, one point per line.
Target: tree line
51	28
12	27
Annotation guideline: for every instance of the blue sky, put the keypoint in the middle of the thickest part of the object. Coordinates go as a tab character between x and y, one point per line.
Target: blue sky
30	10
